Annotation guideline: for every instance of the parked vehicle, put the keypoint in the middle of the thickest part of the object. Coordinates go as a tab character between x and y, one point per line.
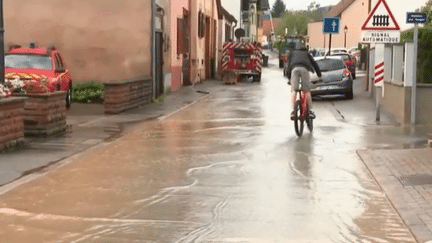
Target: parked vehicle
336	51
355	55
353	49
336	78
38	70
317	52
242	58
349	61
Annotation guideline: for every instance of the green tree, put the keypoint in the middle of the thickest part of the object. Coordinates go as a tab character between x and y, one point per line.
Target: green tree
278	9
296	21
428	10
424	55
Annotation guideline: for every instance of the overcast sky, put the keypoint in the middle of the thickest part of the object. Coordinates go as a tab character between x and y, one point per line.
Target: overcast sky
398	7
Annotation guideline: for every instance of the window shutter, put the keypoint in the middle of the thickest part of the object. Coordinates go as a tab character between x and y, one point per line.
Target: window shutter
180	36
200	24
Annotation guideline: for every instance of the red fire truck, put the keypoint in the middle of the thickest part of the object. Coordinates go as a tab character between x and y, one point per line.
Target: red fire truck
241	59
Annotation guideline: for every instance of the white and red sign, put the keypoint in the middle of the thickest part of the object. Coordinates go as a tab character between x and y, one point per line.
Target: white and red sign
380	27
380	37
381	18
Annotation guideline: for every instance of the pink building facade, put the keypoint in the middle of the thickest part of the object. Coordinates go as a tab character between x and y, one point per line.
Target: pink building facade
180	43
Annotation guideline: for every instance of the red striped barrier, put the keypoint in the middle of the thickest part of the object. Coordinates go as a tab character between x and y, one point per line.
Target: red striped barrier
379	72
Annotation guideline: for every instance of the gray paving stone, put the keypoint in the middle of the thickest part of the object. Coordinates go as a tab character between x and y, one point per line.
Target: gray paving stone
413	202
423	233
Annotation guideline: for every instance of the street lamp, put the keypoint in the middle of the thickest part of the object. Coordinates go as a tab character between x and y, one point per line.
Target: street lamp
345	32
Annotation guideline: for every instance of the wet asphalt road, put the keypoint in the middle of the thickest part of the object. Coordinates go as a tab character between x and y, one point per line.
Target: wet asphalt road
226	169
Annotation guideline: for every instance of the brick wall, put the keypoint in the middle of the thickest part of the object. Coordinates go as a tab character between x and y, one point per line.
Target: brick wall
44	114
11	121
125	95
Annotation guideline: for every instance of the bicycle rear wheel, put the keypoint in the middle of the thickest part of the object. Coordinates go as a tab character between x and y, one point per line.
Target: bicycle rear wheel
298	120
309	121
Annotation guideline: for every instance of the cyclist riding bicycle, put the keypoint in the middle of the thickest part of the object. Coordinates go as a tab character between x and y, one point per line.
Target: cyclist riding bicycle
300	63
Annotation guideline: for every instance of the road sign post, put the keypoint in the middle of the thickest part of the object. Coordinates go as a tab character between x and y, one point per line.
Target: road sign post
414	81
415	18
331	26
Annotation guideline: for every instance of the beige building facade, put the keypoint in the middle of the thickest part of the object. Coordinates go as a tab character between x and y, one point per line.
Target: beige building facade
99	40
203	42
352	14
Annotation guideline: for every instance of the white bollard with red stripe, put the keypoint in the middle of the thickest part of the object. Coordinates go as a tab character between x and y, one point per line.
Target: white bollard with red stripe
379	65
379	77
379	73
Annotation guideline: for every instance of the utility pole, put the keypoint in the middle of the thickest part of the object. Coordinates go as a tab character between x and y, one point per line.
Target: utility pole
414	81
153	45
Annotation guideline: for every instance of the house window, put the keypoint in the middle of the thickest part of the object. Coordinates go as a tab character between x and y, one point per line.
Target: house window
182	36
227	32
259	20
159	18
201	24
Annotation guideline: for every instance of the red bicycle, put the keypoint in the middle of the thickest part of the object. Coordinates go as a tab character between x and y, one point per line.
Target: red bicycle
301	113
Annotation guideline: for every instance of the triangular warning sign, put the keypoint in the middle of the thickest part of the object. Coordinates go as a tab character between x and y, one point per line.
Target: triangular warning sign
381	18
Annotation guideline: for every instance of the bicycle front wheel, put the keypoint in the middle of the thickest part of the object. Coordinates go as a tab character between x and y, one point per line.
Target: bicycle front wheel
298	121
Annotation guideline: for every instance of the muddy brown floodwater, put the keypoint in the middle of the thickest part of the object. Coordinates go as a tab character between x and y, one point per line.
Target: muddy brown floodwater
226	169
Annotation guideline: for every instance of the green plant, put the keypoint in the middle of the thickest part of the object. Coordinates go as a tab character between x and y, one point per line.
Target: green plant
424	56
14	146
88	93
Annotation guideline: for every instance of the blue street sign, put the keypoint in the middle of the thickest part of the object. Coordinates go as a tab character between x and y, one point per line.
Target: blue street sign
331	25
416	18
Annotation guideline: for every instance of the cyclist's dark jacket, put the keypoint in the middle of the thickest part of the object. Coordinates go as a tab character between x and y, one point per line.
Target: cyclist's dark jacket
304	59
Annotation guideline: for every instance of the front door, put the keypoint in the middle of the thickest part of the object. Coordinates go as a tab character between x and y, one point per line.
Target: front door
186	55
207	48
159	86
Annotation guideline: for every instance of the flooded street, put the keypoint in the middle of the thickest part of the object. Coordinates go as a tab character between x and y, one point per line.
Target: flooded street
228	168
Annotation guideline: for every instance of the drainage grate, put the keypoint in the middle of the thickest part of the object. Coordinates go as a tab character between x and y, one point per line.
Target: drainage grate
416	180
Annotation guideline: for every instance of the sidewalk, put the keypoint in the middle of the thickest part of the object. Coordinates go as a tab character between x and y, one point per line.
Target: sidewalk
405	175
88	126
